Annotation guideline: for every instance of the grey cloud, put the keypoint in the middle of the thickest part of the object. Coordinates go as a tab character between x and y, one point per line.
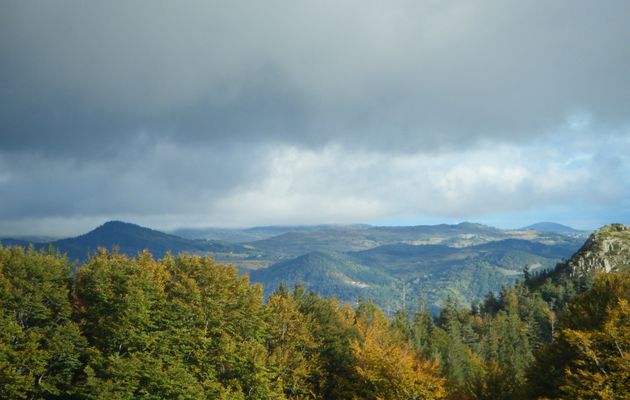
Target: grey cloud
185	110
146	181
400	76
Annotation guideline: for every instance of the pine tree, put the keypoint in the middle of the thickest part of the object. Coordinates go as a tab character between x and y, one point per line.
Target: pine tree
461	366
423	331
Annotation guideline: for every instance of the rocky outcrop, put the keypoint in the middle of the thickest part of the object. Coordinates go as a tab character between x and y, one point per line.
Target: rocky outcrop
606	250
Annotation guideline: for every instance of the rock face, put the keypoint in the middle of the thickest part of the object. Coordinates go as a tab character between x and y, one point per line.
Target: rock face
606	250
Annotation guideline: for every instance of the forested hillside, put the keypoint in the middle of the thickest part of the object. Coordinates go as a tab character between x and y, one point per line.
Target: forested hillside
393	274
187	327
386	264
559	334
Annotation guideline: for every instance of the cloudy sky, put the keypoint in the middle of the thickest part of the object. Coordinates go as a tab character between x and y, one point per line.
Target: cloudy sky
241	113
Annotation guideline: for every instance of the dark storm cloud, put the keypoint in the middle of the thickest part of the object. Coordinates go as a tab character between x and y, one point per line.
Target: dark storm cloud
422	74
296	111
147	180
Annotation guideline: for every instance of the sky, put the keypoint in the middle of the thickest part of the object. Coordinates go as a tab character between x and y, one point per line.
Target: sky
244	113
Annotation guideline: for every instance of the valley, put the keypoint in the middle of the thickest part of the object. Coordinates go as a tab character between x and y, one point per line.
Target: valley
392	265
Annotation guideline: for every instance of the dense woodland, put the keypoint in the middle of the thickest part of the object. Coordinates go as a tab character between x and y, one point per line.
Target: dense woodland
188	328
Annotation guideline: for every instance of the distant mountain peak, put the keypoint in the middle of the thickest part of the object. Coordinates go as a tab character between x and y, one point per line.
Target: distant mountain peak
130	239
127	229
115	224
471	224
552	227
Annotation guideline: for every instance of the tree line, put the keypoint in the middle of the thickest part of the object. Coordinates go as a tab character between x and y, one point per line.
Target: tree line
187	327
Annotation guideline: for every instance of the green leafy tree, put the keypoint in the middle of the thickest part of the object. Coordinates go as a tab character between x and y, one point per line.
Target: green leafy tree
333	331
293	351
40	346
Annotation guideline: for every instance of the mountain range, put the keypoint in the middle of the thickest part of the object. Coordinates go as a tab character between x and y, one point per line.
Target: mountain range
393	265
396	275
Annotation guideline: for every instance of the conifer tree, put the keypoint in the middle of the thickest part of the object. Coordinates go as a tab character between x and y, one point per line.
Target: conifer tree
423	331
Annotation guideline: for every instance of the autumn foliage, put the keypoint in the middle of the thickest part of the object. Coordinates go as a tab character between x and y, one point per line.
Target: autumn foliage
187	328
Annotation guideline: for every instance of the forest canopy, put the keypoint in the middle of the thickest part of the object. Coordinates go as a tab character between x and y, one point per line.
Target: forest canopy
187	327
